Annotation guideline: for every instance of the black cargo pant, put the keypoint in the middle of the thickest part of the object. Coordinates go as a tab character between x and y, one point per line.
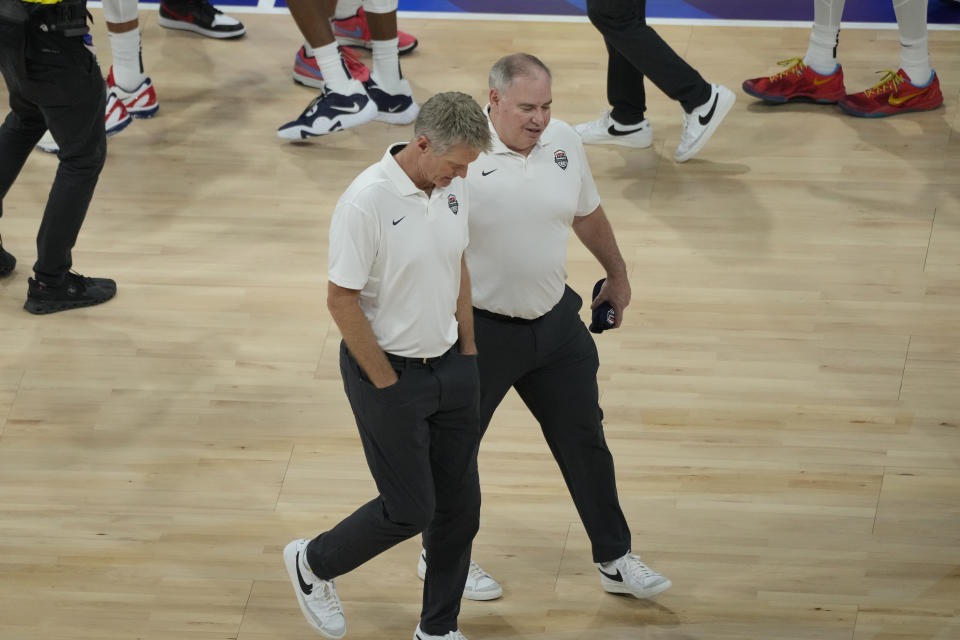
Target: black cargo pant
420	438
54	83
634	51
552	362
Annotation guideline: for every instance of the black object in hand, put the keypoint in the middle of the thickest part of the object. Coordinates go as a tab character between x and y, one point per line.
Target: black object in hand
603	316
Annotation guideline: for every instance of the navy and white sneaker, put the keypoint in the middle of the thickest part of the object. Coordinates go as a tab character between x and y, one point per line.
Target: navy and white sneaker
318	598
393	108
332	111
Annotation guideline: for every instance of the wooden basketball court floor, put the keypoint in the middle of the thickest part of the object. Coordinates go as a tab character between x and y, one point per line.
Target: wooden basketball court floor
783	402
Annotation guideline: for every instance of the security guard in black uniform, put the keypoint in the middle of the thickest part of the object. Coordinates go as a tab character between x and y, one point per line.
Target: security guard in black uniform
54	83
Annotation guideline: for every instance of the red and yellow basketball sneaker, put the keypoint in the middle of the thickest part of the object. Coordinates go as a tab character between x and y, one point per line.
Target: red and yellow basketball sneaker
798	83
894	94
354	32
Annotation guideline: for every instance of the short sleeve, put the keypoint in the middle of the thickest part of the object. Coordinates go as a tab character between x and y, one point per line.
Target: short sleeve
354	241
589	196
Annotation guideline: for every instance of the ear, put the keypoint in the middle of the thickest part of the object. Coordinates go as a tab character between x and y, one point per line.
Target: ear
495	98
423	144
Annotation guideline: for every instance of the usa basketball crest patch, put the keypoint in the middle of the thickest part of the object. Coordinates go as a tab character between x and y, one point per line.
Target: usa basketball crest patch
560	157
453	204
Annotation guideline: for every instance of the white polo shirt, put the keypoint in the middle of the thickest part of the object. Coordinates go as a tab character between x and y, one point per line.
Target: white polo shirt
522	211
402	250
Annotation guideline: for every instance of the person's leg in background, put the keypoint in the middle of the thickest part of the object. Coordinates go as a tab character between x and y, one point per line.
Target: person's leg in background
387	86
624	27
344	102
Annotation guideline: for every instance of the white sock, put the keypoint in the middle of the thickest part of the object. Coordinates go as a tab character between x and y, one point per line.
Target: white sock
822	50
127	62
386	64
914	49
334	71
346	9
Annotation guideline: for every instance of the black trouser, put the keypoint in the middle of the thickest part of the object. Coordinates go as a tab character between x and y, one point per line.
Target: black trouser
420	438
54	83
552	363
635	50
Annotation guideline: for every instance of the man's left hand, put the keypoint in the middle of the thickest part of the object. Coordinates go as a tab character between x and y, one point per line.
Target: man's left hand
616	291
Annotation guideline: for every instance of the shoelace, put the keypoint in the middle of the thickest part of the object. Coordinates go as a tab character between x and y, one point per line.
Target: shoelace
476	573
325	593
793	65
888	83
639	570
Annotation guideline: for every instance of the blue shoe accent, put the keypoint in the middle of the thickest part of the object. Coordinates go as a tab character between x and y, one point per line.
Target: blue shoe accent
329	112
394	108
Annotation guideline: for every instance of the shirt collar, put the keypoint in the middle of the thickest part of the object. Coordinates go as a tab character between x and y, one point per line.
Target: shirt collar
497	143
396	174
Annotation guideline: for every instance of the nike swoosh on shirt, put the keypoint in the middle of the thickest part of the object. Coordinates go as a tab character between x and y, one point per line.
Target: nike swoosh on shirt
396	222
486	173
704	120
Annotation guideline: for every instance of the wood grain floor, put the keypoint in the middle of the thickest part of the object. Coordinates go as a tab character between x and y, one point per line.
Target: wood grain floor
783	402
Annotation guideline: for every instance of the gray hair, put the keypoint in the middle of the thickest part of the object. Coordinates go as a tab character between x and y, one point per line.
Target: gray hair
509	67
452	118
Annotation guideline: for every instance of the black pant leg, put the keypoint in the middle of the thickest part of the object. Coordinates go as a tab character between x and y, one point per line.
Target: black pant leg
24	125
562	394
64	82
624	27
420	438
625	90
396	442
454	439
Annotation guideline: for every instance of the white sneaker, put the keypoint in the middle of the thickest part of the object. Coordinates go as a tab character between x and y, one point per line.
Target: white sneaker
629	575
115	120
318	598
332	111
700	125
480	585
606	130
451	635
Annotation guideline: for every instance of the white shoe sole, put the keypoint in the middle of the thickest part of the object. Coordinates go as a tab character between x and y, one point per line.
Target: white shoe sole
642	139
725	102
187	26
611	586
290	562
406	116
346	121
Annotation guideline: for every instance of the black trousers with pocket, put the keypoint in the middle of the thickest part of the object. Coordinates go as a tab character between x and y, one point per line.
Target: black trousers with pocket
54	83
420	439
552	362
636	51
